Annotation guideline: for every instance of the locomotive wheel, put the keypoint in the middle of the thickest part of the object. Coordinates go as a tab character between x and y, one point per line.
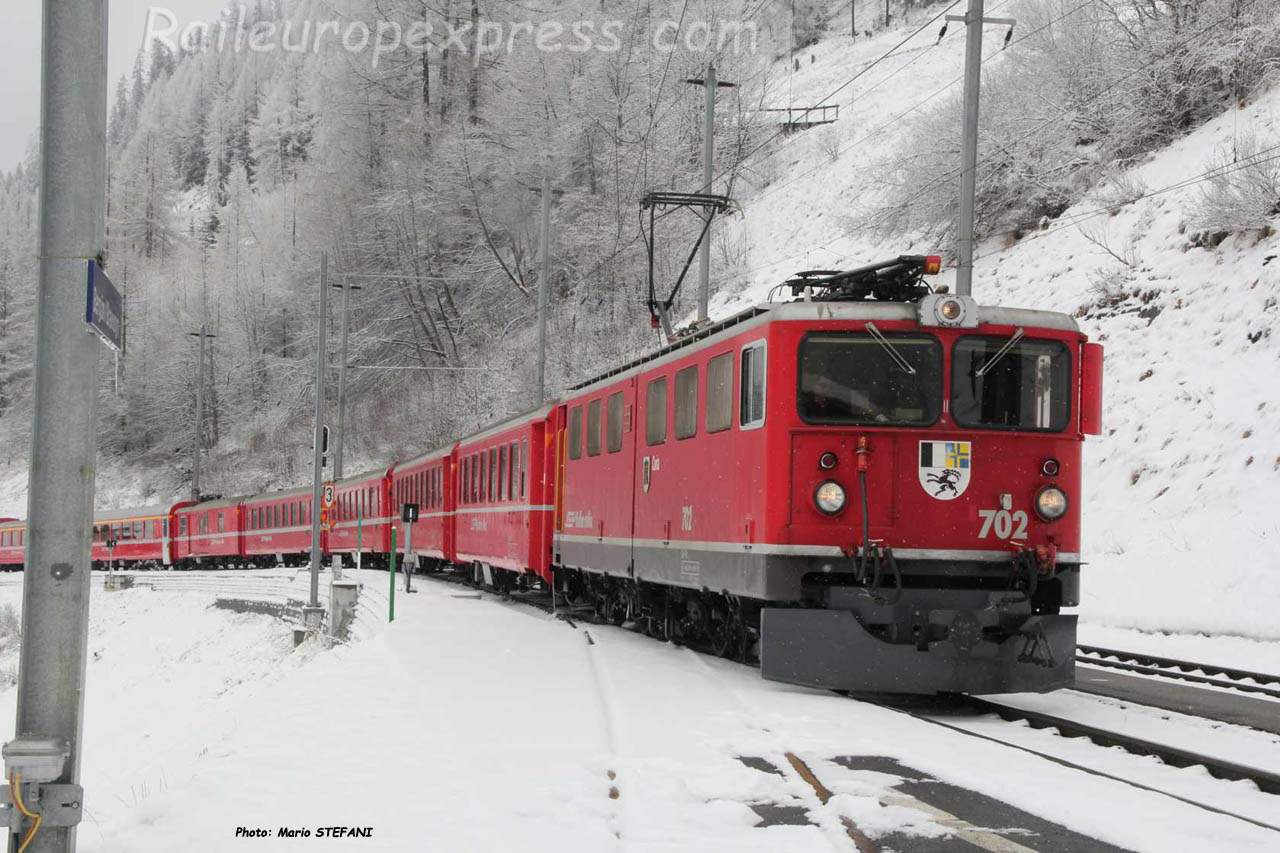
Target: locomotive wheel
722	634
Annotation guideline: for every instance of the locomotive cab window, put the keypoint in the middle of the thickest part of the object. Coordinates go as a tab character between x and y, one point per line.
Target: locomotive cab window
1003	383
575	432
751	405
655	412
858	379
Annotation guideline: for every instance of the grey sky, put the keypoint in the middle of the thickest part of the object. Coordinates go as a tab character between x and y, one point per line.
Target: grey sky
20	47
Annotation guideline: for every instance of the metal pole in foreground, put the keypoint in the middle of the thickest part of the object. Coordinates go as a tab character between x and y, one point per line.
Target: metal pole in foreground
55	597
340	438
708	163
313	609
969	145
544	276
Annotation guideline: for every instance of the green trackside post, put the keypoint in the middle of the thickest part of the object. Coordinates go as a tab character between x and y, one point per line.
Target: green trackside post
392	616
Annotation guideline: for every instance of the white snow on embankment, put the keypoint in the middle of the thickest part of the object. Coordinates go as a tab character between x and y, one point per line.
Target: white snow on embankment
1181	522
470	724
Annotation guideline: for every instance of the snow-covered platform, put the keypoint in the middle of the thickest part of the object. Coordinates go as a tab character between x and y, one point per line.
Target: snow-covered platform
474	724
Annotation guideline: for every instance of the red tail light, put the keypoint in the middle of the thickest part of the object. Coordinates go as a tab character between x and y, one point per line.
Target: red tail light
933	264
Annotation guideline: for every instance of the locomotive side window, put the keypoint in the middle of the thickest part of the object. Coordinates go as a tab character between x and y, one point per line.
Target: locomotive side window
1003	383
593	428
687	402
857	379
182	525
720	393
575	432
613	423
751	405
655	412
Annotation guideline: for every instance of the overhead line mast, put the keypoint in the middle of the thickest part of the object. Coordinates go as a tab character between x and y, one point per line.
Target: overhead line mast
973	20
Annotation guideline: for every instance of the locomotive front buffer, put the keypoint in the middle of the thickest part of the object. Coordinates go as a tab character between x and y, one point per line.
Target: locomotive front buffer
830	648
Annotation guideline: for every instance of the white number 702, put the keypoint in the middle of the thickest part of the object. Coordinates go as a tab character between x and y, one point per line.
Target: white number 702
1003	523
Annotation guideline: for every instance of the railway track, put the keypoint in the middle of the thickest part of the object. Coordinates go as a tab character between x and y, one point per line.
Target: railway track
1259	683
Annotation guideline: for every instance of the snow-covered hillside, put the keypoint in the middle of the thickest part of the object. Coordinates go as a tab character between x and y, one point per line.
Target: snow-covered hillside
1181	527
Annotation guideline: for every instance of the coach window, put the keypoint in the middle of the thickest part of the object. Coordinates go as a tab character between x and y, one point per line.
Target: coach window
524	464
182	525
613	423
502	473
751	404
687	402
720	393
476	471
462	481
220	523
575	432
655	414
593	428
493	474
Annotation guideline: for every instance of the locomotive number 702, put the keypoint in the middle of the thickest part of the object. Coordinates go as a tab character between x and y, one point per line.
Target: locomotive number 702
1005	524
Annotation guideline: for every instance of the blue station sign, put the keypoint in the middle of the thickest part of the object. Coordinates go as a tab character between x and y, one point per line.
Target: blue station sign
104	308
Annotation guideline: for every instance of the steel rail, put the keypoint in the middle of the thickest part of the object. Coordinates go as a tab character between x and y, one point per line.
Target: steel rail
1172	755
1180	670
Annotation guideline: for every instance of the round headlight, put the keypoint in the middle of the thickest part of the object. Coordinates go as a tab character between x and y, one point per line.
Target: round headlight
1051	503
830	497
950	310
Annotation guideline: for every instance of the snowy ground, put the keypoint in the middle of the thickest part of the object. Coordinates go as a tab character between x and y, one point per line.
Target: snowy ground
474	724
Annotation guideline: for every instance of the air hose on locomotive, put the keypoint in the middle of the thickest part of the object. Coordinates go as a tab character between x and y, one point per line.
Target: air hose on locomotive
869	553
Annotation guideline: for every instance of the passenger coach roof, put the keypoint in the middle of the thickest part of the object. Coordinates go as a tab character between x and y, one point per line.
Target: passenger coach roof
759	315
139	512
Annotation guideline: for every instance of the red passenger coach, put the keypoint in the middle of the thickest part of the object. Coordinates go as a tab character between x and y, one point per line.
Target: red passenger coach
13	550
141	536
209	534
427	482
504	510
277	527
361	514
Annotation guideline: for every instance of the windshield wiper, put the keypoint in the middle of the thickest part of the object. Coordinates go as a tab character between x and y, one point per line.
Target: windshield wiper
889	348
1004	350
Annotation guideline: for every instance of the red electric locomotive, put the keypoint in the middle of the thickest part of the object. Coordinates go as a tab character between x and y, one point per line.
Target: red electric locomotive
878	483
